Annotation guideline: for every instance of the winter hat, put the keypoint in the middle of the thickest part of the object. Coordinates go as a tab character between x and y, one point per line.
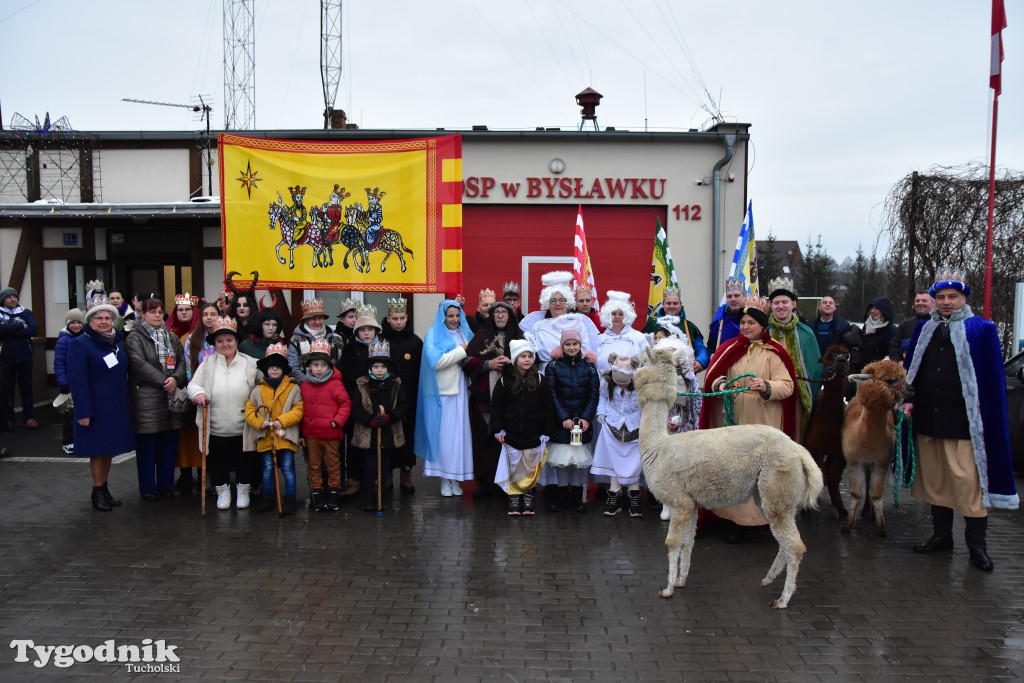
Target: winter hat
501	304
223	326
559	281
570	334
519	346
617	301
366	316
99	302
6	292
313	308
623	368
948	278
74	316
319	349
276	357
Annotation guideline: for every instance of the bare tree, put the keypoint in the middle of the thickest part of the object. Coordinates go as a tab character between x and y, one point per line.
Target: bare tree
939	219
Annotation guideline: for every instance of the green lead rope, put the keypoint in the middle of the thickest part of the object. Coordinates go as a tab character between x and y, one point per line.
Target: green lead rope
726	395
909	469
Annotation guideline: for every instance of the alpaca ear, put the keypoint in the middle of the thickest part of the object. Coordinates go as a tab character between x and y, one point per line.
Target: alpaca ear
857	379
612	357
635	362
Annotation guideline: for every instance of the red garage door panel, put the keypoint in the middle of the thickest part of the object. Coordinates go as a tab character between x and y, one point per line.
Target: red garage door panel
496	238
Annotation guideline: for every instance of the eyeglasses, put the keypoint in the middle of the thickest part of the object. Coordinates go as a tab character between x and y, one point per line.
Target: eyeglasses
557	301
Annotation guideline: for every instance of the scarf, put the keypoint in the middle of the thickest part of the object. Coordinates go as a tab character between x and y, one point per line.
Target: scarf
313	334
309	377
273	383
162	341
870	326
787	335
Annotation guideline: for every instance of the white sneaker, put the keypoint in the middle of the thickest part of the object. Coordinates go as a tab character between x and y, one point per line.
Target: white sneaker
242	500
446	488
223	496
456	489
666	512
69	449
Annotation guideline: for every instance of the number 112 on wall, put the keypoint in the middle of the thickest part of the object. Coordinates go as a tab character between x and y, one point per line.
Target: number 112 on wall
687	213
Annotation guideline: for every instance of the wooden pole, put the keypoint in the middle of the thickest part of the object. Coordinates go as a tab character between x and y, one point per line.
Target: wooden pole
991	210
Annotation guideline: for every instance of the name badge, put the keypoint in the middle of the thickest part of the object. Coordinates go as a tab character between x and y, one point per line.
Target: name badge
170	363
110	359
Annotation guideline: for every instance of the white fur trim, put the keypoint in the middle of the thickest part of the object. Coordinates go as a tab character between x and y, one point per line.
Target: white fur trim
556	277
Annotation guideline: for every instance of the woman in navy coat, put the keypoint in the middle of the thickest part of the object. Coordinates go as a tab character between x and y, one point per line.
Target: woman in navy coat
98	376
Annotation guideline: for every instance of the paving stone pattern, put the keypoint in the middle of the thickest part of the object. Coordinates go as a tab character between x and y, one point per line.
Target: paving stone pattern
452	590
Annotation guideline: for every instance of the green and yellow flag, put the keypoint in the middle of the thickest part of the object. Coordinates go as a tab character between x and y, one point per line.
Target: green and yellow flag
663	272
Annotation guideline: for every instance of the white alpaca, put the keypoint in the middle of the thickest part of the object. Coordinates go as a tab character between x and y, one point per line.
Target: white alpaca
721	467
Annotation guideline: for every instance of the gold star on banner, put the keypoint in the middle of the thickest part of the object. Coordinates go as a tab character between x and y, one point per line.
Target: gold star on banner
249	178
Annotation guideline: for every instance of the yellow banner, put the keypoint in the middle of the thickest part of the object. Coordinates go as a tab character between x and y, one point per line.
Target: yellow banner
383	215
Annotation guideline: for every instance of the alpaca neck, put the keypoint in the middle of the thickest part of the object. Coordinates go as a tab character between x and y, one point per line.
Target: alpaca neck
653	425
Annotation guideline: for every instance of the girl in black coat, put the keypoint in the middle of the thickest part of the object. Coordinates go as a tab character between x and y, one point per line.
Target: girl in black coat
574	385
522	419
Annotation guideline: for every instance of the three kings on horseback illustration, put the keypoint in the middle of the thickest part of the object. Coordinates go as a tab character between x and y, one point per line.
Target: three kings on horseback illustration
321	227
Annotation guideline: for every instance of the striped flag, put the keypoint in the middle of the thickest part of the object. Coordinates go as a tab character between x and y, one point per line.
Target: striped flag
744	259
662	271
995	79
581	270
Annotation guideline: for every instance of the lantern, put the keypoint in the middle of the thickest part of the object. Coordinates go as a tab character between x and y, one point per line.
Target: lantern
576	433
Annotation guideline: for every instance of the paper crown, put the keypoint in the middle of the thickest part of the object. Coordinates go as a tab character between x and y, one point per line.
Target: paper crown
366	311
312	308
781	285
486	293
761	303
349	305
397	305
733	284
98	298
317	346
94	286
583	288
379	348
186	299
280	350
950	278
224	324
670	290
510	288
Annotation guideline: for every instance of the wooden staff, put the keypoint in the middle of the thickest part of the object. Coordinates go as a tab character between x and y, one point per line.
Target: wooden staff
265	412
380	484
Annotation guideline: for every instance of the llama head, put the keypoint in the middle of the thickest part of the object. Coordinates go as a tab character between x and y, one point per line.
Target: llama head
656	380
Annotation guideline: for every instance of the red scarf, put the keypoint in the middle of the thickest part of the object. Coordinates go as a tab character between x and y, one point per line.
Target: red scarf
725	357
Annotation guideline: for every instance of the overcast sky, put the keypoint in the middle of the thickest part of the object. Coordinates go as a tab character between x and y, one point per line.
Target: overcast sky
844	98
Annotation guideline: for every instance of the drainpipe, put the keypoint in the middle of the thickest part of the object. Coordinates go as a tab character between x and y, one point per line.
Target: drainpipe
716	222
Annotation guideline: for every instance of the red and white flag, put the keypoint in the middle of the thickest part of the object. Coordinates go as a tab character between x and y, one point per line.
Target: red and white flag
581	270
995	80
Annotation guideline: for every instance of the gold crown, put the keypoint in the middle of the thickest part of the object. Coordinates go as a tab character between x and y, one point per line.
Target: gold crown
279	349
297	190
759	302
186	299
733	284
785	283
379	348
224	324
486	293
950	275
317	346
583	288
671	290
510	288
367	311
313	307
397	305
376	193
349	305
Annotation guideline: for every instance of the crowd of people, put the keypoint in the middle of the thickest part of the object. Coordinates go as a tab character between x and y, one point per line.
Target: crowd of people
512	401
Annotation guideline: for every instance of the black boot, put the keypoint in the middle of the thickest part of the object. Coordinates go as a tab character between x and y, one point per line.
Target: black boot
288	506
111	501
556	499
318	500
98	500
974	535
653	503
942	531
576	500
333	499
267	502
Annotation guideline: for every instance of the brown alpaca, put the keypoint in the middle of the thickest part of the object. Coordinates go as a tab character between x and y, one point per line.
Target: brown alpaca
824	432
869	434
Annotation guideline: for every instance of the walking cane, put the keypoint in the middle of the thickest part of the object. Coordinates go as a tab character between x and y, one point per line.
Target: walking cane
265	411
380	483
203	437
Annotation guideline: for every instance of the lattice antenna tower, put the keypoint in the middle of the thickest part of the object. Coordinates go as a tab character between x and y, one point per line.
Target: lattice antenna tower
330	54
239	65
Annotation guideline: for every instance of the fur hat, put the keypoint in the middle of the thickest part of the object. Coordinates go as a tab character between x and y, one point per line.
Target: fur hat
99	302
622	368
313	308
617	301
74	316
275	357
782	285
570	334
556	281
222	326
6	292
501	304
948	278
366	316
319	349
520	346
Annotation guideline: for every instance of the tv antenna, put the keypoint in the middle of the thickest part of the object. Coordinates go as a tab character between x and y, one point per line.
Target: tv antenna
203	142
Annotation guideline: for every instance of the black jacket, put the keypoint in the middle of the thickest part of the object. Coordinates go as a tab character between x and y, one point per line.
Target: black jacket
524	416
406	352
903	335
574	385
874	346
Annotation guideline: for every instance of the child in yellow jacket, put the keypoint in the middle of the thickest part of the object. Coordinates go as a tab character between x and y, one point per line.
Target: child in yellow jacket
275	409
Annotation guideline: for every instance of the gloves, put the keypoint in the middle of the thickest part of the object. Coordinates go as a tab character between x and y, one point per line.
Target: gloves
380	420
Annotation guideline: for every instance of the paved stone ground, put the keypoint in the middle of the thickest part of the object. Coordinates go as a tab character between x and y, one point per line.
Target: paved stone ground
446	590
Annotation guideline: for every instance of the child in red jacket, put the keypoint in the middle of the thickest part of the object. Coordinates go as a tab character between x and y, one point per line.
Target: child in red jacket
326	409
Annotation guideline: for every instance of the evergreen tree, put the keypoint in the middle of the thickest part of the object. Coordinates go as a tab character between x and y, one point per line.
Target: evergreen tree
769	265
818	271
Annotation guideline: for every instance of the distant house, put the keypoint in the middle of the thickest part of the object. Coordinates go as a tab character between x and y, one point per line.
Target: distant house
787	255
